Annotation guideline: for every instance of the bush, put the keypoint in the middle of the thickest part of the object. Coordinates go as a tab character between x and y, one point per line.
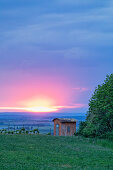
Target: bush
20	132
108	135
27	131
23	129
36	131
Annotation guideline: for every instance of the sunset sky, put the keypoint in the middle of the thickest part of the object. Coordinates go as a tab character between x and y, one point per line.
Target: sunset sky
53	53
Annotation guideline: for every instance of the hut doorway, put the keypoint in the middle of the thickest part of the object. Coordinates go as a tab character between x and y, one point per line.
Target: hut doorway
57	129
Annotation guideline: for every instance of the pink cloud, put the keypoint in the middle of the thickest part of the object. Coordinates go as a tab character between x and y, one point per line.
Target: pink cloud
74	106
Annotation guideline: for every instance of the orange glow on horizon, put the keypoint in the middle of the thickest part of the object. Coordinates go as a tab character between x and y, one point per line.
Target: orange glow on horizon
42	104
32	109
42	109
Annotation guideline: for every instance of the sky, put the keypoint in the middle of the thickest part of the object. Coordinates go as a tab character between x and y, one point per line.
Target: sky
53	53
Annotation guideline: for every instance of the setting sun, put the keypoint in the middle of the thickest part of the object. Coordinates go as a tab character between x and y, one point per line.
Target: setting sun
42	104
39	102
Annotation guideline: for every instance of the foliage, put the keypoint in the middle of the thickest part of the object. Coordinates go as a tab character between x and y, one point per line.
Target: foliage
27	131
108	135
51	152
35	131
23	129
49	133
81	127
20	132
100	114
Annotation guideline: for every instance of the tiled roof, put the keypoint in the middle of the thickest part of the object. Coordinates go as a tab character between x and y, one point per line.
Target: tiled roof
64	120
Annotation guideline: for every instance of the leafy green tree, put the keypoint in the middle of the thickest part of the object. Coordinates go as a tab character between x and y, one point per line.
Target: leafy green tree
22	129
27	131
100	114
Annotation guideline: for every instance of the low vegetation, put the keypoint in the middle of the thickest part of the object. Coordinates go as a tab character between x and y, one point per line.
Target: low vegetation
50	152
21	131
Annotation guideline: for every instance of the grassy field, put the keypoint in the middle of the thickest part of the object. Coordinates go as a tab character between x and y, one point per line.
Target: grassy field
32	152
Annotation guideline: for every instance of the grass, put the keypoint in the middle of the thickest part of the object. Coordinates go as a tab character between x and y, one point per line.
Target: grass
33	152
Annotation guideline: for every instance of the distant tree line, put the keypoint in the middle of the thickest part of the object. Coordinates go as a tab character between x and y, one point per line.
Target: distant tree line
20	131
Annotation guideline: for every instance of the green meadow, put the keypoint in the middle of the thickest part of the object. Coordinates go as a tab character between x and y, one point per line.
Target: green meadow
32	152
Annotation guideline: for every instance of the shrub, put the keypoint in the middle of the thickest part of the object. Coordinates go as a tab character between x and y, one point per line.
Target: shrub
27	131
20	132
108	135
36	131
23	129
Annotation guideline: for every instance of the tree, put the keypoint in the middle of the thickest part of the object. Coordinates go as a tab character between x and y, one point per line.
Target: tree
36	131
99	118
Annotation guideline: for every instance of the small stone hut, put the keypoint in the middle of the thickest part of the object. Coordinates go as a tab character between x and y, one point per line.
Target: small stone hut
64	127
